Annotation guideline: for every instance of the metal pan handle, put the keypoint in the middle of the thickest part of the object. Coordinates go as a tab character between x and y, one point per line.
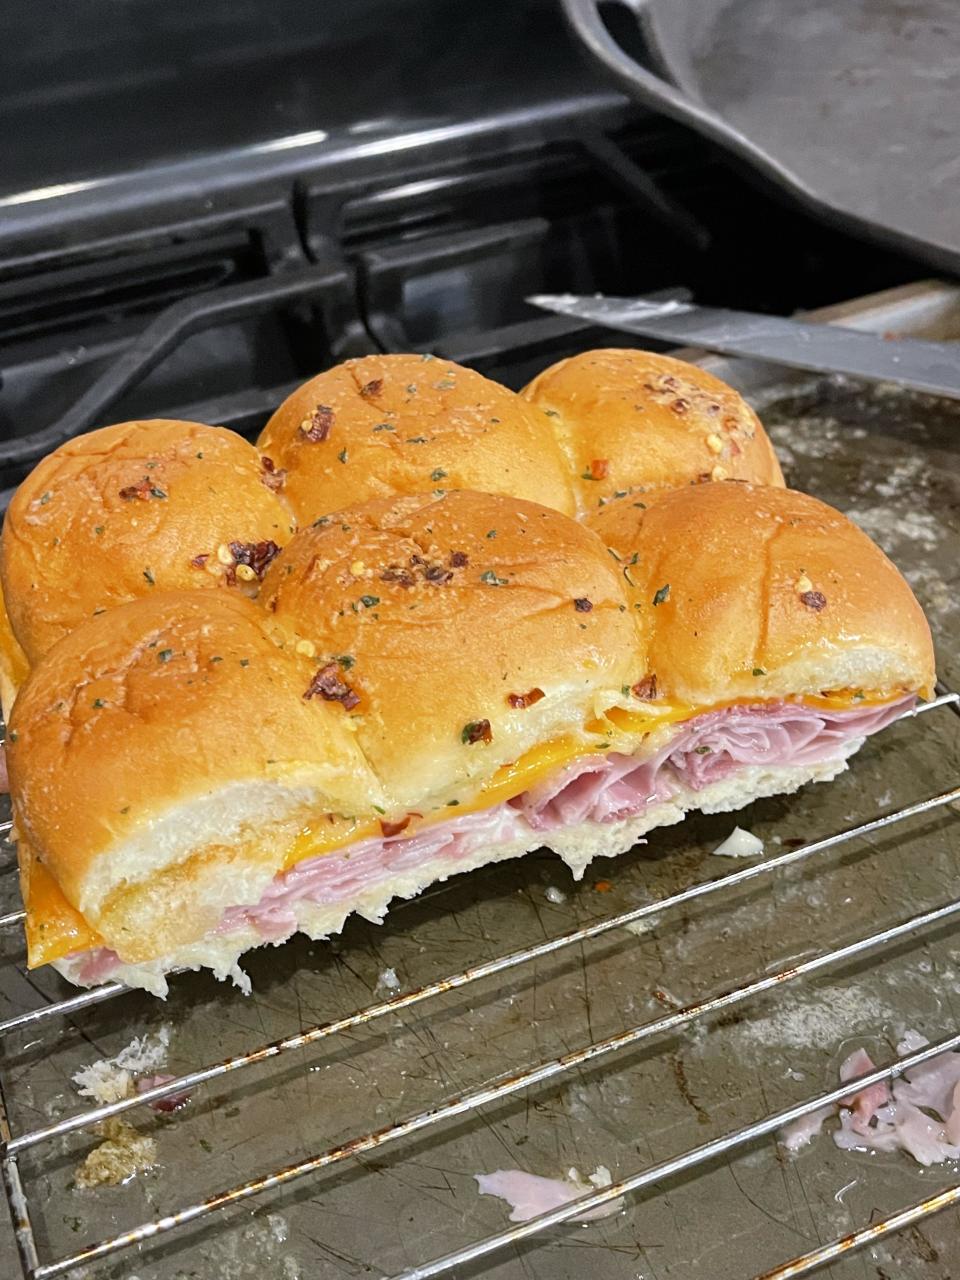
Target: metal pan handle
583	16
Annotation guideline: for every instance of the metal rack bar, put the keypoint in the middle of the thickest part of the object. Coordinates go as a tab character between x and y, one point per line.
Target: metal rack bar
835	1249
74	1003
507	1085
670	1168
492	1093
16	1196
321	1031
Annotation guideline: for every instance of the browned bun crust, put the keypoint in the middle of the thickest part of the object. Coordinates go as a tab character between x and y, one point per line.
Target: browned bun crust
169	717
440	609
635	420
73	545
771	593
398	424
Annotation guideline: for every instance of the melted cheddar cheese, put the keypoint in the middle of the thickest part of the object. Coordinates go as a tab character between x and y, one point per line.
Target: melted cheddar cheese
326	834
54	928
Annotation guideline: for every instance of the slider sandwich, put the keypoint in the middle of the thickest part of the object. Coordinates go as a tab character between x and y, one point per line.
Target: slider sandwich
633	421
584	430
126	511
428	684
381	425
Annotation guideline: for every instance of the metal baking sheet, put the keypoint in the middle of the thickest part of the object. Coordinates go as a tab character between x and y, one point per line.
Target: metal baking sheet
890	460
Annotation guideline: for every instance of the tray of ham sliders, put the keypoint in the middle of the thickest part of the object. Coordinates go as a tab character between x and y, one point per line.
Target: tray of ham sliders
435	670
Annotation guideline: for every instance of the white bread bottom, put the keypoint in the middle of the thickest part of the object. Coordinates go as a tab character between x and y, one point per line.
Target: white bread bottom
577	846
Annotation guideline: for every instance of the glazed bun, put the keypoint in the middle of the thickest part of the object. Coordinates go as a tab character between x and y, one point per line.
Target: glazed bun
131	509
388	425
444	616
758	592
162	759
632	420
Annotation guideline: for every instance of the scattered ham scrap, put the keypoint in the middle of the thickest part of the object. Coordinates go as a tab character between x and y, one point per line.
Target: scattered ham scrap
897	1116
529	1194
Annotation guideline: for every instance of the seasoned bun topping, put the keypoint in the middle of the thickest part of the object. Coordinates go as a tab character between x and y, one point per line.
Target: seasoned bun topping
635	421
131	509
749	591
390	425
468	628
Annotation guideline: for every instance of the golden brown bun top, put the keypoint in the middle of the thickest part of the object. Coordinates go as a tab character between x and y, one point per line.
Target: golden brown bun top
758	592
123	511
399	424
635	420
163	700
440	609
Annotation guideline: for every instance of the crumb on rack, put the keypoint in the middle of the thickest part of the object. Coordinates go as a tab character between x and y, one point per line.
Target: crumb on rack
123	1153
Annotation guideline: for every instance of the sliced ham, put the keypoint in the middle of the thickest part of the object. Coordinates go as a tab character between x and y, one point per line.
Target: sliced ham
705	750
595	788
529	1194
919	1113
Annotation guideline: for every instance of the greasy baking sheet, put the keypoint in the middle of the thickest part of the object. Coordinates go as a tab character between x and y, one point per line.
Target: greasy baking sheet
891	461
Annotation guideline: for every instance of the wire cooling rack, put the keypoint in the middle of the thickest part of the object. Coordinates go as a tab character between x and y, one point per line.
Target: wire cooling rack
232	1069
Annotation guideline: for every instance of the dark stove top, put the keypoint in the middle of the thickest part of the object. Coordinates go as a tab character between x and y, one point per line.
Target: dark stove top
205	205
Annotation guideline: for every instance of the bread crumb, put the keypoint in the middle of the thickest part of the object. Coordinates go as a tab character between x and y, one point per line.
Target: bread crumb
740	844
388	981
123	1153
110	1079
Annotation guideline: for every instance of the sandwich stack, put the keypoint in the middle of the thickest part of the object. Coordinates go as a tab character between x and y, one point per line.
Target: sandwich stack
425	625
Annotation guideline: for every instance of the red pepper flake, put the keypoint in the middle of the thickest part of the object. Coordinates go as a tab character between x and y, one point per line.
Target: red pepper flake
198	562
372	388
316	425
458	560
328	684
680	405
520	701
398	574
258	555
476	731
394	828
814	600
645	689
603	886
143	490
434	573
273	476
599	468
582	604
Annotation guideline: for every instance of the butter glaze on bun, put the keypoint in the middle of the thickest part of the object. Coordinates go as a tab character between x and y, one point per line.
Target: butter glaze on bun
749	591
127	510
447	609
635	420
385	425
162	758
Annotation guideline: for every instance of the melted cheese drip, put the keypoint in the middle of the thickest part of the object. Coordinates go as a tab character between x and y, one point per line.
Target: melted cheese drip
54	928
